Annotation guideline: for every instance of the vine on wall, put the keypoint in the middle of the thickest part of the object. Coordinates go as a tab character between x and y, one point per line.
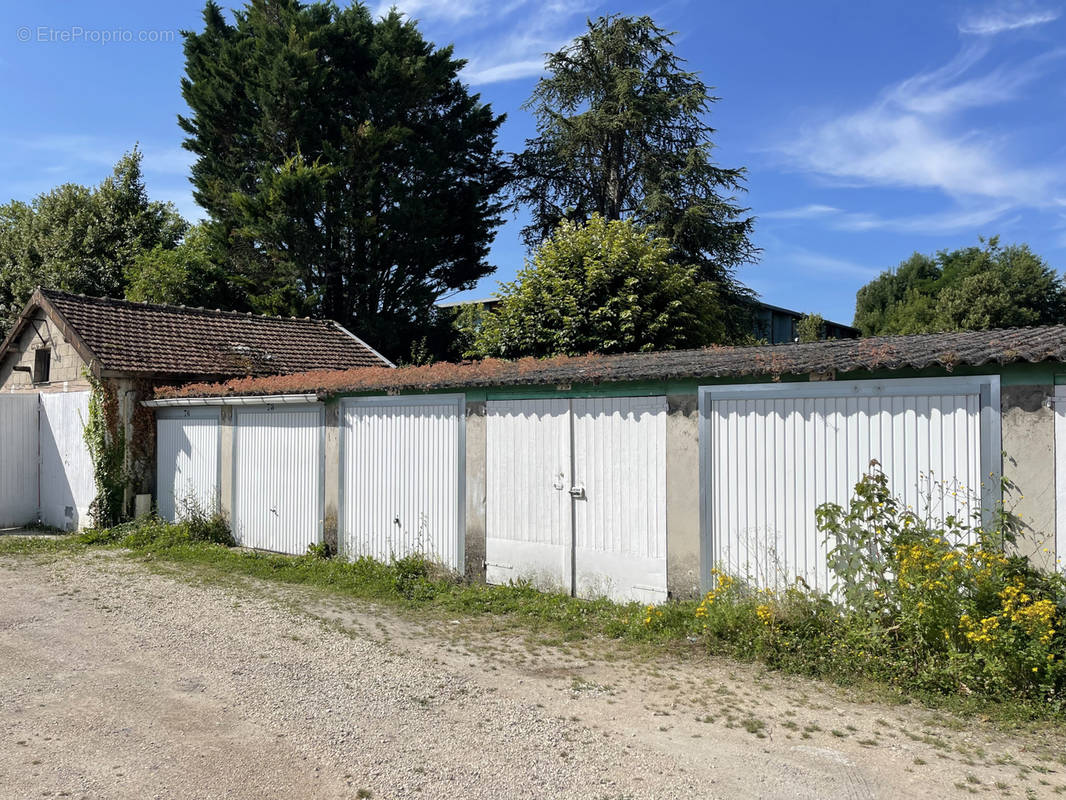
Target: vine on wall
106	441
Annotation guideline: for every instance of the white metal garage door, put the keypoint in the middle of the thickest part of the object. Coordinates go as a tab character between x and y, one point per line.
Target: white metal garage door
187	460
576	495
66	471
277	484
402	487
18	459
772	453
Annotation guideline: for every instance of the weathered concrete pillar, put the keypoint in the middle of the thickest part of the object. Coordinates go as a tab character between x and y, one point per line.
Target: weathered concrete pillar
332	475
225	477
475	490
1028	426
682	496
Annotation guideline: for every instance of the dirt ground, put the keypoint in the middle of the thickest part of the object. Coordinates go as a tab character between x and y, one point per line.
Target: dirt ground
127	679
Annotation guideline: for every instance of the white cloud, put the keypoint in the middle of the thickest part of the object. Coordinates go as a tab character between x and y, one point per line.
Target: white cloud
812	211
434	9
501	41
1008	17
950	221
913	136
826	264
478	74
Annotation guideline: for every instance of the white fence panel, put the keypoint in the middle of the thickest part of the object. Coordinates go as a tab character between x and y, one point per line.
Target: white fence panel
187	461
18	459
528	506
67	485
402	478
278	477
620	503
1060	478
772	454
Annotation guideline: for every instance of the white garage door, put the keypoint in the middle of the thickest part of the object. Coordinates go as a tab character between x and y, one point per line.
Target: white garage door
528	518
772	453
187	461
277	500
576	495
402	489
18	459
67	485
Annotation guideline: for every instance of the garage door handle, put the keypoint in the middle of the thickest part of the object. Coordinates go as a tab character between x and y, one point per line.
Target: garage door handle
577	492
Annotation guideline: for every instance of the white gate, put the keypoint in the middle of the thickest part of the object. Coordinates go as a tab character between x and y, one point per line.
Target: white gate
187	461
18	459
576	495
402	488
278	483
772	453
66	470
620	517
528	524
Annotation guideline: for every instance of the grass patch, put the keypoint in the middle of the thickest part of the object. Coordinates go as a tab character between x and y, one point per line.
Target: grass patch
805	635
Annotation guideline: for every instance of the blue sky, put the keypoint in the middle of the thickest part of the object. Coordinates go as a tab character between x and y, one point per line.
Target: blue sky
868	131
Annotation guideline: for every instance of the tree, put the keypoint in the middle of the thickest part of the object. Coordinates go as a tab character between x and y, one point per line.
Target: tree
810	328
81	239
972	288
600	286
184	275
346	170
622	132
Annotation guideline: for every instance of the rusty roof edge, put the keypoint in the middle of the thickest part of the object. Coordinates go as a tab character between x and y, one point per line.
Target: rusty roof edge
1000	346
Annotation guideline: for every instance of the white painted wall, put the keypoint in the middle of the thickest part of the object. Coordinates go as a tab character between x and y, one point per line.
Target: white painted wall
187	460
771	454
18	459
402	478
278	482
66	472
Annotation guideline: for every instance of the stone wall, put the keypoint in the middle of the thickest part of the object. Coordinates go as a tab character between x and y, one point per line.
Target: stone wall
65	373
1028	424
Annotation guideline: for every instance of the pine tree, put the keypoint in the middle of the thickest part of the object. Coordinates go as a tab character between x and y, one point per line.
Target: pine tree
346	170
622	133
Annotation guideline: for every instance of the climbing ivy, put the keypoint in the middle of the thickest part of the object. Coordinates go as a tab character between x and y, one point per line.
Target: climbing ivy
106	441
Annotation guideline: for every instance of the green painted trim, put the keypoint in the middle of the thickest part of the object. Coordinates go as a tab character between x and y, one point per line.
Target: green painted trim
1023	374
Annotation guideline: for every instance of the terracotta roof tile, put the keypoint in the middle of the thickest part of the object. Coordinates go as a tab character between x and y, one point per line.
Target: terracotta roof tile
947	350
160	339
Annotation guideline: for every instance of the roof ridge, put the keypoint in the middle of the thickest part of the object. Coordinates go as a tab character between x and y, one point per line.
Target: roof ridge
179	309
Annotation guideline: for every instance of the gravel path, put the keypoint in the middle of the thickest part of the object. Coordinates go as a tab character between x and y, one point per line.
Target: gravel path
117	682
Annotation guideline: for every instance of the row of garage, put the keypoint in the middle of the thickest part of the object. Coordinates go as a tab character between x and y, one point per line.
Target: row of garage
610	492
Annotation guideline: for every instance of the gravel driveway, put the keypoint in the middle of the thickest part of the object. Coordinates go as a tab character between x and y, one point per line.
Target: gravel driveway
120	682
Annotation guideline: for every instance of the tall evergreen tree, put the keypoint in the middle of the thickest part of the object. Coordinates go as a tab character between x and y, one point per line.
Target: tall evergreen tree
345	168
622	132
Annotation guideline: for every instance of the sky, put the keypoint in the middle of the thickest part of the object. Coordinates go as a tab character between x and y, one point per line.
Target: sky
868	131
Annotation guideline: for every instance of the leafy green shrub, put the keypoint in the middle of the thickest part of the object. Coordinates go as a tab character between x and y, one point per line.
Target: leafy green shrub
320	550
946	606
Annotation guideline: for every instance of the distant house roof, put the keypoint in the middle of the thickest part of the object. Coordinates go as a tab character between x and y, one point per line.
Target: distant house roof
946	350
128	337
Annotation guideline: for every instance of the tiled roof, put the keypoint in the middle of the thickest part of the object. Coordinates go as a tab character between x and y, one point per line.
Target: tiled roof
946	350
146	338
